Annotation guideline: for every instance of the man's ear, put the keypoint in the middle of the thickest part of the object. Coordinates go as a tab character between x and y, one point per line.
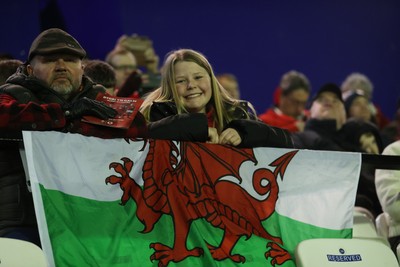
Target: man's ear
29	69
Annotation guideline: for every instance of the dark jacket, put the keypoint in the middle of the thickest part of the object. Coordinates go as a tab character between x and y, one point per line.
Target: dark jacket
43	109
353	129
36	106
27	104
16	205
318	135
166	123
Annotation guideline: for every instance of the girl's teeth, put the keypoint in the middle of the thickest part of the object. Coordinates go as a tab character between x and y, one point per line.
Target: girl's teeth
192	96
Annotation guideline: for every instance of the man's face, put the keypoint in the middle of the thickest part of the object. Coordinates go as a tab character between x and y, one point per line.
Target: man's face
328	107
294	103
151	60
231	86
61	72
124	65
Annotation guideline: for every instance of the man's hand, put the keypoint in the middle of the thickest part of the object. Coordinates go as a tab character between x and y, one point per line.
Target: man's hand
230	137
85	106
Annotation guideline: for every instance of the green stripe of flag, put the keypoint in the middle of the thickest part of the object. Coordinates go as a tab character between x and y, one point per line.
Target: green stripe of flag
86	232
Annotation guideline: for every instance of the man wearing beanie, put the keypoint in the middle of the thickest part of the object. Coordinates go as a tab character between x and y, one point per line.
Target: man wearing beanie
48	92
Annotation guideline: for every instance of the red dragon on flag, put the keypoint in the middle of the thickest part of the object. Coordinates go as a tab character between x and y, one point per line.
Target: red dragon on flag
188	181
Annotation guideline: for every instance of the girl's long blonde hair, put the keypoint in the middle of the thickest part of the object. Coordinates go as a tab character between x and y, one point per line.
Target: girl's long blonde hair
221	101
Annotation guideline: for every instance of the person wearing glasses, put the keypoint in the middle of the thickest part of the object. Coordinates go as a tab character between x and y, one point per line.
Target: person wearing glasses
128	77
289	112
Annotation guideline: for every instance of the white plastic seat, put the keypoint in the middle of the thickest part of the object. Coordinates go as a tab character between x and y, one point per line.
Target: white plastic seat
321	252
382	228
358	210
363	224
382	225
19	253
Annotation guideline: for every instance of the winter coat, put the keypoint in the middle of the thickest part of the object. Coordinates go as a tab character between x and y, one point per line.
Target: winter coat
166	123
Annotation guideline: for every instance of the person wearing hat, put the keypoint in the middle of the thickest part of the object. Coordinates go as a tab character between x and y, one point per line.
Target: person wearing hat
327	129
290	110
359	82
327	116
357	106
48	92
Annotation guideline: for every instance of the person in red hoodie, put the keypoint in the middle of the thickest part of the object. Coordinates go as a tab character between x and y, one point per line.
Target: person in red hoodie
289	110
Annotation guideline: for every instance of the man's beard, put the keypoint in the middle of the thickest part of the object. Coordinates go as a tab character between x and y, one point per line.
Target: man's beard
63	88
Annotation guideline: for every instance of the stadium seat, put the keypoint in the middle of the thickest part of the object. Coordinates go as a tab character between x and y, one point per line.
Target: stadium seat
382	228
358	210
398	253
330	252
382	225
20	253
363	224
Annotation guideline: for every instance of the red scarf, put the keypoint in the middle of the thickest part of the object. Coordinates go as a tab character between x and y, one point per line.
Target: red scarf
210	118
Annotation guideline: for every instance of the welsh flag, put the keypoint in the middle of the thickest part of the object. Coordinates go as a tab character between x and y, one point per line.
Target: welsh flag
125	202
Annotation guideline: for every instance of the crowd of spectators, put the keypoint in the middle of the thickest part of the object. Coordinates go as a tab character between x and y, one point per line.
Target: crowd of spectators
185	100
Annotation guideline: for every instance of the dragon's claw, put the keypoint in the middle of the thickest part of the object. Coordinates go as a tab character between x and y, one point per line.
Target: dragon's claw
278	254
113	180
113	165
219	254
165	254
125	159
